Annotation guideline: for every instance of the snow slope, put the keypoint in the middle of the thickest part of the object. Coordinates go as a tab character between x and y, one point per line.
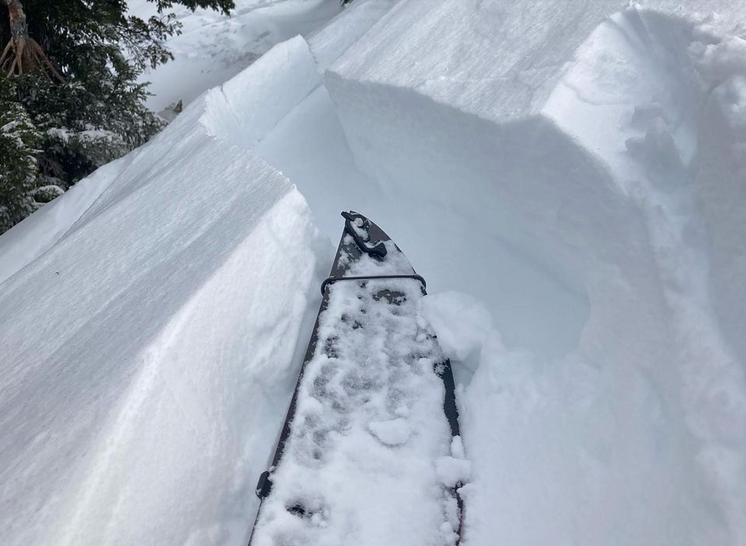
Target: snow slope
211	48
214	47
148	355
573	169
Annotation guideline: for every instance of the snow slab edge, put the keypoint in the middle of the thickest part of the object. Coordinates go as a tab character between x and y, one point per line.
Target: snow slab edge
555	177
145	352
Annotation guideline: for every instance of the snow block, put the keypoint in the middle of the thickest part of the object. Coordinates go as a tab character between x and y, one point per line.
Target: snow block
149	354
248	106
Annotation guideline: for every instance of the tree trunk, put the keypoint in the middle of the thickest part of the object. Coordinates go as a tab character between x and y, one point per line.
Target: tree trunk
21	60
22	54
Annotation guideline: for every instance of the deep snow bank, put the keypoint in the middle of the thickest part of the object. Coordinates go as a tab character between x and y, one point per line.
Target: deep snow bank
148	356
571	133
562	186
532	177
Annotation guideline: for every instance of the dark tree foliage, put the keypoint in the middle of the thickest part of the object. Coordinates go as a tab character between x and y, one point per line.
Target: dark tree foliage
76	85
18	169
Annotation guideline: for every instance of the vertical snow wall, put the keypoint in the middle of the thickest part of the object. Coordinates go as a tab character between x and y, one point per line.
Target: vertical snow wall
148	356
606	148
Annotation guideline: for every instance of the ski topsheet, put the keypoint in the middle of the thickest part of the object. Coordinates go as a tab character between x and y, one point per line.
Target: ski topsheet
370	452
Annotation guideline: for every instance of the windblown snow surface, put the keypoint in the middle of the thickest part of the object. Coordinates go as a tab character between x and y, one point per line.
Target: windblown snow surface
570	177
212	47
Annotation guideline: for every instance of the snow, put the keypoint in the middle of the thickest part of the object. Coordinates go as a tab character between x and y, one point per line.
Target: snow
26	241
214	47
580	151
263	95
567	176
454	470
149	353
391	433
460	322
351	460
329	42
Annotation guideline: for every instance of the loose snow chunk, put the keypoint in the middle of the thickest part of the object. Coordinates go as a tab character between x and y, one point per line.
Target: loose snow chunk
402	411
448	533
391	433
452	471
460	322
457	448
721	61
456	469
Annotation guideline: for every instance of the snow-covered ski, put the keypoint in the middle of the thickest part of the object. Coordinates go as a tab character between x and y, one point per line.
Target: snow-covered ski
370	452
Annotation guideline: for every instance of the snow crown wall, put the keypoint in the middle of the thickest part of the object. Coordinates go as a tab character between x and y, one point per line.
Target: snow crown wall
142	353
581	148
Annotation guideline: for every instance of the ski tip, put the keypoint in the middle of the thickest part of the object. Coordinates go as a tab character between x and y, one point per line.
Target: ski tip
364	231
